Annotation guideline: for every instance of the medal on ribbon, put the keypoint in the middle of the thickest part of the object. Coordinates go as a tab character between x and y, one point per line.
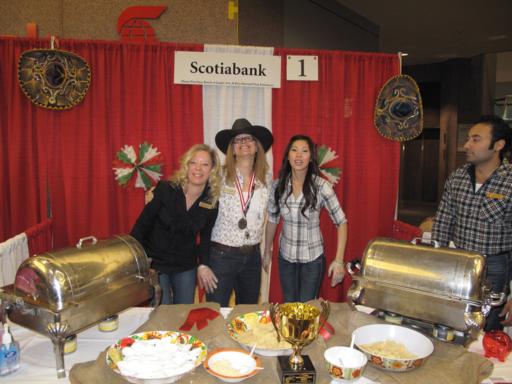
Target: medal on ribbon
245	203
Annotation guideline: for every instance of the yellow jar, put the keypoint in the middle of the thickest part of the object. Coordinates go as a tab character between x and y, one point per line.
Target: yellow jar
70	344
110	324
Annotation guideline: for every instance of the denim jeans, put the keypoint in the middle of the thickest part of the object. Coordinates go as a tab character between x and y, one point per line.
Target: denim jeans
178	287
498	275
301	281
240	271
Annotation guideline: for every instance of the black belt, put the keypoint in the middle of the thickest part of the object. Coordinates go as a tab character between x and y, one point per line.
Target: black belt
242	249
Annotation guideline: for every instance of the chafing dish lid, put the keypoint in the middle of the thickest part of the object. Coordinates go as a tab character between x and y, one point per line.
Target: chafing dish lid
68	276
437	271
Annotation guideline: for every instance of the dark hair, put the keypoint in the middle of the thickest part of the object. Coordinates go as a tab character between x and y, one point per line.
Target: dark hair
309	189
500	131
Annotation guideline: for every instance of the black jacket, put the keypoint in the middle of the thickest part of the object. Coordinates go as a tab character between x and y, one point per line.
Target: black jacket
169	233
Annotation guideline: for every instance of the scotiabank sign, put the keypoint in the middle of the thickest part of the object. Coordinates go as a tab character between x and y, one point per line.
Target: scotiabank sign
227	69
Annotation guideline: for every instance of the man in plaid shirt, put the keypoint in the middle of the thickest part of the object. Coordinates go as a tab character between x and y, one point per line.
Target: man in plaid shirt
476	208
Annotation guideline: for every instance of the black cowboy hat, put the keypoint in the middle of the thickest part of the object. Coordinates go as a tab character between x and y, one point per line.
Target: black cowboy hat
398	111
240	126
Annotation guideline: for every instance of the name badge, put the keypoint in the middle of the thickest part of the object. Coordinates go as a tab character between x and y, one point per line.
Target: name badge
229	191
204	204
492	195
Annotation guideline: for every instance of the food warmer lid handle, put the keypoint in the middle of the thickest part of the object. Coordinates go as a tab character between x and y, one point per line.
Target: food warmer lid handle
353	267
84	239
435	243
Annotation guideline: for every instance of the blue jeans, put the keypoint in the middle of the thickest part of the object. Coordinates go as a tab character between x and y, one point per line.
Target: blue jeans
178	287
240	271
301	281
498	274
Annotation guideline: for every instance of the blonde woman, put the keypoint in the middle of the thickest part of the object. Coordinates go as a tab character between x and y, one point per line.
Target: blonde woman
181	208
235	257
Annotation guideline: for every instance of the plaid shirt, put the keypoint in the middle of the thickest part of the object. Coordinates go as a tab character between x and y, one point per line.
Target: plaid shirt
478	221
301	240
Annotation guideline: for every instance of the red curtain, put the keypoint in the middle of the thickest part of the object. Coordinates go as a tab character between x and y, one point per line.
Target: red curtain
337	111
65	157
40	237
68	154
23	191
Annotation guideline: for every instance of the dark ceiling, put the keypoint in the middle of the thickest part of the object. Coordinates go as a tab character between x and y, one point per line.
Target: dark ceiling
433	31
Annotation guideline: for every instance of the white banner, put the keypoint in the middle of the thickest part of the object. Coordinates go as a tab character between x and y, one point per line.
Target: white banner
207	68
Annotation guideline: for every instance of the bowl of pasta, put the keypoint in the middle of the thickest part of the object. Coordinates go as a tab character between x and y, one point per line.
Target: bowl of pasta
232	365
256	328
392	347
156	357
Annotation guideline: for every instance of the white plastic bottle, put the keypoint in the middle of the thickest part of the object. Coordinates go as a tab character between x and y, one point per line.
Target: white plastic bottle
9	353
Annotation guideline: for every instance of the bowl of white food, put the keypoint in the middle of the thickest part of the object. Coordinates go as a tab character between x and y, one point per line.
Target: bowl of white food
156	357
232	365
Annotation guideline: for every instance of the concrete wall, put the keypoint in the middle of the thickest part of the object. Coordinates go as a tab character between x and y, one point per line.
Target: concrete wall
316	24
192	21
326	24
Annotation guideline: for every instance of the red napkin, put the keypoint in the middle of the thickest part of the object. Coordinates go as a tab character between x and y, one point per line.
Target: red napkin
326	331
198	317
497	344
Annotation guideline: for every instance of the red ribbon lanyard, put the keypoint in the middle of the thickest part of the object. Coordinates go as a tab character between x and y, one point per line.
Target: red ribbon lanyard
243	202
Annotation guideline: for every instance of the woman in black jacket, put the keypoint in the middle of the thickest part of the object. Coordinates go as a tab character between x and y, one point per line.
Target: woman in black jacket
181	209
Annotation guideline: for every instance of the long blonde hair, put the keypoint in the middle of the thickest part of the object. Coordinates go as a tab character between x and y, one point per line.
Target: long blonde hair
260	164
179	177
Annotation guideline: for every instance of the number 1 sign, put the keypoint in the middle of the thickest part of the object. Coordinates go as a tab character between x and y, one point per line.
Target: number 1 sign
302	68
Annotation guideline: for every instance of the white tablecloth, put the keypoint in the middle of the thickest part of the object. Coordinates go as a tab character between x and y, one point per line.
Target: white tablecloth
37	357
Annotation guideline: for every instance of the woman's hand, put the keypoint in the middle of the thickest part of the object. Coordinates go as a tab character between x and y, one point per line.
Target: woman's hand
206	278
265	260
336	272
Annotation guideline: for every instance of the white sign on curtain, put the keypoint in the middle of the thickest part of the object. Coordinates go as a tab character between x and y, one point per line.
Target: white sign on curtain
207	68
302	68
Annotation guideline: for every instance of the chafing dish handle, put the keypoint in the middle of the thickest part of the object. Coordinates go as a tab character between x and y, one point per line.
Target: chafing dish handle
497	298
435	243
351	265
84	239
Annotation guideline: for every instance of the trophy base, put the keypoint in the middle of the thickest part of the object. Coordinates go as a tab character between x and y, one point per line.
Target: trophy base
304	374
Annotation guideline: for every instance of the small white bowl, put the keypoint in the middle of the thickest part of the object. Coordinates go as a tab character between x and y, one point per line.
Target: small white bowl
232	365
416	343
345	364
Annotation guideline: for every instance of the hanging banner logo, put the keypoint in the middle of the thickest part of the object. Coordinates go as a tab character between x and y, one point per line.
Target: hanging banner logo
208	68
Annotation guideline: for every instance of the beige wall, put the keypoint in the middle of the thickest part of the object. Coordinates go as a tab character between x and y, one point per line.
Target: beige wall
192	21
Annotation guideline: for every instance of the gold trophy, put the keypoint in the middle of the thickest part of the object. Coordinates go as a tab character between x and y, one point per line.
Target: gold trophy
298	324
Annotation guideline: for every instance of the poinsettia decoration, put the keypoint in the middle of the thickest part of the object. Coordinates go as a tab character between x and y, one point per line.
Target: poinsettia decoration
325	156
146	166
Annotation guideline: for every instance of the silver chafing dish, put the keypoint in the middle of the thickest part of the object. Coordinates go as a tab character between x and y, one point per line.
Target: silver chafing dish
440	291
61	293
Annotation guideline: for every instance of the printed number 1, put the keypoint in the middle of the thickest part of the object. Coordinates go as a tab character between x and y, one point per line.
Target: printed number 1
302	68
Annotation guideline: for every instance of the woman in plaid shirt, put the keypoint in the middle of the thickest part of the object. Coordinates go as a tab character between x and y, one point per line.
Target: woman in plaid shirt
297	197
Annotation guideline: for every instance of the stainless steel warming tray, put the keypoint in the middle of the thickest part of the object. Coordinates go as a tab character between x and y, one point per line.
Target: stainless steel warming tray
437	286
61	293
